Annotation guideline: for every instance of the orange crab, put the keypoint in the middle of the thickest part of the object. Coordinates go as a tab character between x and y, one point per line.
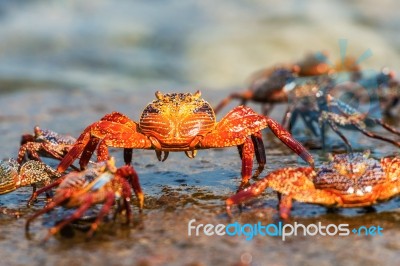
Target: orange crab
349	180
181	122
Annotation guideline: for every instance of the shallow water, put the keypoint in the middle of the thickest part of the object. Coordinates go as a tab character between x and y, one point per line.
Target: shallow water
65	65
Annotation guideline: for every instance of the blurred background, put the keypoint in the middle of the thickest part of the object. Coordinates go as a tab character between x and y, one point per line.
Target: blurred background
170	45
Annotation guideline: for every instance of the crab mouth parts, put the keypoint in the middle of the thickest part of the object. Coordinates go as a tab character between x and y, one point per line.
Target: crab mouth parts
176	147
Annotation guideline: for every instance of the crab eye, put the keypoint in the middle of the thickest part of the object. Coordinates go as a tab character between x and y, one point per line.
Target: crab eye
159	95
197	94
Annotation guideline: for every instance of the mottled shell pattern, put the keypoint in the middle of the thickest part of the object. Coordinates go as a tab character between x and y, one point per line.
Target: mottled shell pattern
35	172
8	175
352	173
45	135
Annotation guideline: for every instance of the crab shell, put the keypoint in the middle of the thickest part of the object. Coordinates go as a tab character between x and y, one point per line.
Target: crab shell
8	175
350	180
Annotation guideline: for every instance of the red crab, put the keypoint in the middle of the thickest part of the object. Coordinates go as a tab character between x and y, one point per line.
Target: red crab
181	122
350	180
101	183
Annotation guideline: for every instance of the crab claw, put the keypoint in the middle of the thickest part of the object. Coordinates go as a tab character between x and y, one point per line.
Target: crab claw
289	141
191	154
160	157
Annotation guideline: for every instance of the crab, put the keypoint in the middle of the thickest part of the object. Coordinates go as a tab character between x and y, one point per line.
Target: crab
176	122
44	142
349	180
273	85
101	183
323	109
31	173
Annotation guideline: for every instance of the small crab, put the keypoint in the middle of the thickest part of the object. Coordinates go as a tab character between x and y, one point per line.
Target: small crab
31	173
349	180
273	85
178	122
322	109
44	142
101	183
269	89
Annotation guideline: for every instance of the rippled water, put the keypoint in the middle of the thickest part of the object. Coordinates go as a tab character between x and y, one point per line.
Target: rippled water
65	64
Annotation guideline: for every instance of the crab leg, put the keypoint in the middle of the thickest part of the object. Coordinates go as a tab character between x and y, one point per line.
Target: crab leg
87	203
48	208
349	111
285	206
386	126
247	154
289	141
32	154
75	151
290	182
259	152
109	201
110	134
375	136
245	96
130	173
126	196
88	152
333	126
128	156
36	193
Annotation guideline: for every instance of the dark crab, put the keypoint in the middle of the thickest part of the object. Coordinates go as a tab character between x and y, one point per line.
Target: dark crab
101	183
349	180
31	173
272	85
45	143
320	109
178	122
